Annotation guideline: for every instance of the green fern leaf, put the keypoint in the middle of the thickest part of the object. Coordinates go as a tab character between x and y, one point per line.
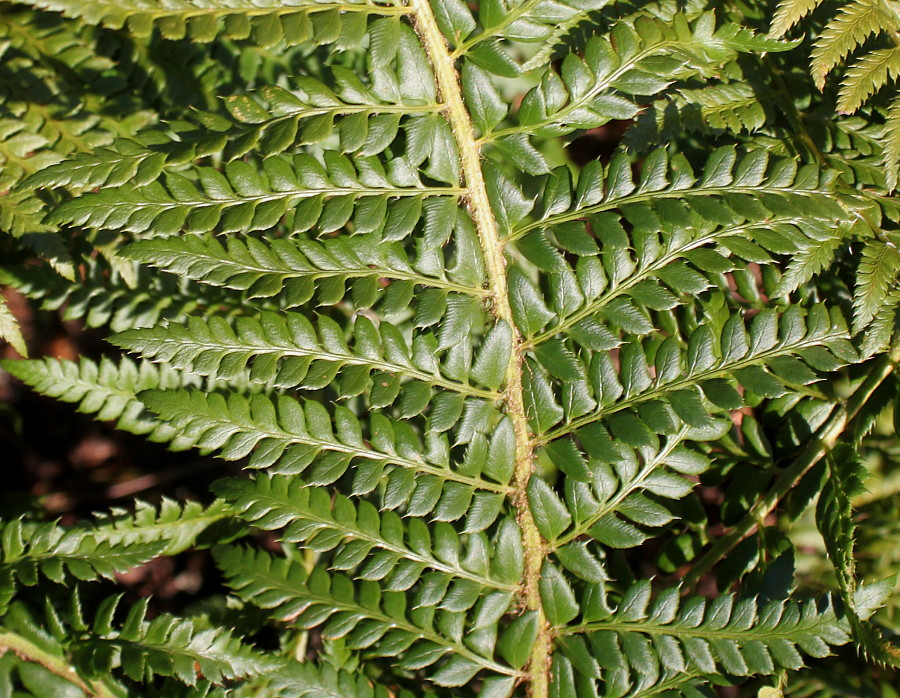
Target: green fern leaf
834	518
10	331
364	615
853	24
644	642
297	268
788	13
267	23
289	437
106	389
866	76
876	279
164	646
178	526
49	550
405	554
288	351
892	145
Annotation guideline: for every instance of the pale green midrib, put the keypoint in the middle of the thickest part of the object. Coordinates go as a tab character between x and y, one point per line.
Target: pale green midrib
359	534
314	273
644	273
610	505
753	633
642	196
445	474
719	371
293	350
305	593
56	664
362	191
342	109
537	671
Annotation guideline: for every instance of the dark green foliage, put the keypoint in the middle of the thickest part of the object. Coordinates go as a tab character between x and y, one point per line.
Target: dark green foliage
485	396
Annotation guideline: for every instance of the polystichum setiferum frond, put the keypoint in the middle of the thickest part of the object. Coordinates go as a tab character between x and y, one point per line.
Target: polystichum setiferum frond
478	390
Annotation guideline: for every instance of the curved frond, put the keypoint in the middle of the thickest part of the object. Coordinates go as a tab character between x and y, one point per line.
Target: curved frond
243	199
366	617
642	642
164	646
287	350
854	23
106	389
47	549
267	21
598	84
788	13
10	331
290	437
866	76
298	267
379	547
877	278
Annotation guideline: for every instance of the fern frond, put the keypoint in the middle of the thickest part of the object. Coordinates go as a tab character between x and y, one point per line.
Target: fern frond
298	267
892	145
178	526
243	199
106	389
288	437
100	296
883	327
525	21
805	191
866	76
380	547
621	500
763	360
834	518
731	107
10	331
637	58
287	350
641	642
854	23
788	13
267	21
164	646
876	278
381	622
316	680
365	117
47	549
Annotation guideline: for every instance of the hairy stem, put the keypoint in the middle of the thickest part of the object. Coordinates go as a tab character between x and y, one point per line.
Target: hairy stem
538	667
28	651
823	442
